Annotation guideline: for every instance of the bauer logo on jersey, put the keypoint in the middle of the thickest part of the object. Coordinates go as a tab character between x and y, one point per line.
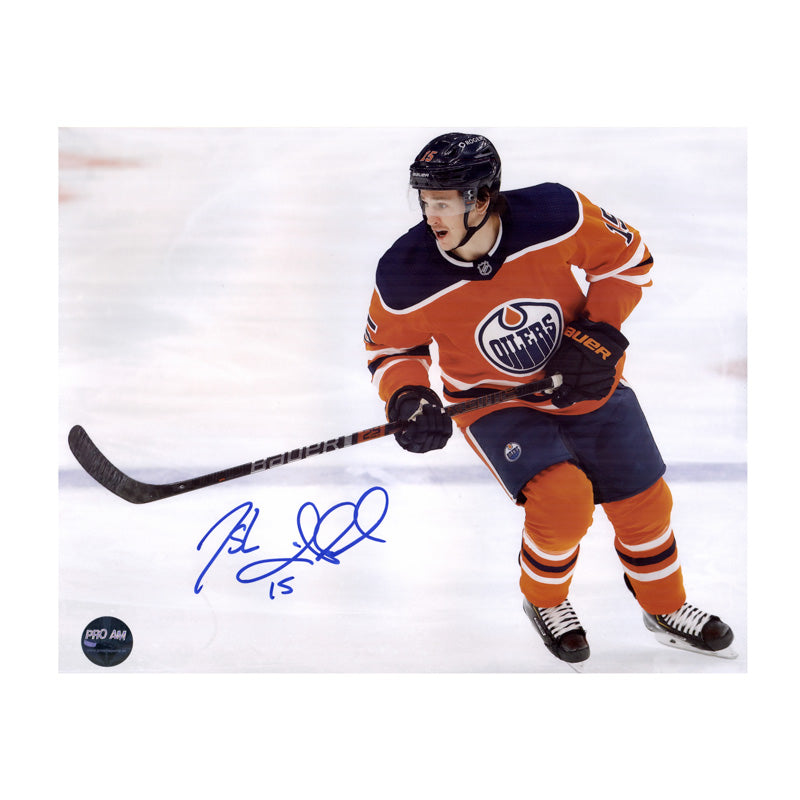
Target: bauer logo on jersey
519	337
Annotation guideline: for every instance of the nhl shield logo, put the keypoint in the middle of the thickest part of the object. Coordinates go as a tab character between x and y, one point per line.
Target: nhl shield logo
519	337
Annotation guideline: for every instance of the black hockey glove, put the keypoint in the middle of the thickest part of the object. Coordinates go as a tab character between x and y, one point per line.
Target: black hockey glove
429	427
587	360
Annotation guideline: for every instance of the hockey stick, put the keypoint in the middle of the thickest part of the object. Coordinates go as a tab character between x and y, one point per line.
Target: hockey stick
116	481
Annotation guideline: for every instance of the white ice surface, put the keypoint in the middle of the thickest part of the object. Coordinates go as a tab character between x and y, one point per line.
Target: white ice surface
213	291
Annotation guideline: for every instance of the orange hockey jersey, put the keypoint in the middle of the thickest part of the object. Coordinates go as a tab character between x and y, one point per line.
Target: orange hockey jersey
498	320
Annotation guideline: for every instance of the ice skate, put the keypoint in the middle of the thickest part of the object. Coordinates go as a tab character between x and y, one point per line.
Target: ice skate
691	629
560	630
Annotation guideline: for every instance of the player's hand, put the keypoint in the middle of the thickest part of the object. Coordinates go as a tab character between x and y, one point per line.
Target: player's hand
429	427
587	361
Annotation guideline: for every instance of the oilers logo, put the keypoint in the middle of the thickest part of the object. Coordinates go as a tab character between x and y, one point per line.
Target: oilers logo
513	451
519	337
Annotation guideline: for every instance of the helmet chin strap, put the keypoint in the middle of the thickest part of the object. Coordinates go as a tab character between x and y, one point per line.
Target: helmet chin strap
471	231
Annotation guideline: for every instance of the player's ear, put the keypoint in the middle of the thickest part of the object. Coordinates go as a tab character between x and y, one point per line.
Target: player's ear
483	201
482	204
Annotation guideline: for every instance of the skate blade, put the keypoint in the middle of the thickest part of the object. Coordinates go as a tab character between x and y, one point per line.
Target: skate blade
679	644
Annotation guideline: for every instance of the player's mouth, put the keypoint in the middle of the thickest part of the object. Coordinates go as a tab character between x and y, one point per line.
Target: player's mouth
440	234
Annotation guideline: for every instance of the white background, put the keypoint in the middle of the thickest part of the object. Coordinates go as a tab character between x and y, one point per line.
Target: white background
434	735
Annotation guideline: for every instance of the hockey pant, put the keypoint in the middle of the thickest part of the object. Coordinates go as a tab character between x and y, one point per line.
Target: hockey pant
559	506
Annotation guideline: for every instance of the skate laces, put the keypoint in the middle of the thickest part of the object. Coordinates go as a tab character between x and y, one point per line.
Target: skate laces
560	619
687	619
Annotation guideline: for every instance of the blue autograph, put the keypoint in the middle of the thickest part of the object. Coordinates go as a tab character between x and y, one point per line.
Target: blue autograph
318	545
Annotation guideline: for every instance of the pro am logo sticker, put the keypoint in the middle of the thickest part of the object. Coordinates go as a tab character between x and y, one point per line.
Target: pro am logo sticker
519	336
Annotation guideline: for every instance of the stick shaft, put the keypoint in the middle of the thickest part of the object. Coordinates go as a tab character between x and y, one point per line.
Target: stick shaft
115	480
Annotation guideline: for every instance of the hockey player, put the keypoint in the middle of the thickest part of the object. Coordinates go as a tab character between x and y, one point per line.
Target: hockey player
488	277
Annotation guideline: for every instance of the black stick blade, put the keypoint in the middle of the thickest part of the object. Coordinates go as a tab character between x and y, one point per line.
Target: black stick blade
115	480
106	474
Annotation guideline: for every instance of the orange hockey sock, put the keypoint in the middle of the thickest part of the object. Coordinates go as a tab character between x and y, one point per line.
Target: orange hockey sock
646	547
558	512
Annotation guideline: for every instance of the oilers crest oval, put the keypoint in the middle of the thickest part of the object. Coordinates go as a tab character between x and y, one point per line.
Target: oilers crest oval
519	336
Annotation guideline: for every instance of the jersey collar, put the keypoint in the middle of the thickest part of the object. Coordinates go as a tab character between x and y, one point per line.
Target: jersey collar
485	266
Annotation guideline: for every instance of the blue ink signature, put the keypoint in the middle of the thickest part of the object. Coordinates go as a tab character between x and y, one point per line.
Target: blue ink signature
325	542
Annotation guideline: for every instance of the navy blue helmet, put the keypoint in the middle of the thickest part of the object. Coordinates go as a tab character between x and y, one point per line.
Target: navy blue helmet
463	161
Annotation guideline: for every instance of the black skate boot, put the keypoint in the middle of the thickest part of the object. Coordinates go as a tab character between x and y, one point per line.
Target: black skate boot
560	630
689	628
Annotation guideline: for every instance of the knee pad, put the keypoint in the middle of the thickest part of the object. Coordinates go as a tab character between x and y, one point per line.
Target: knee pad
558	506
644	516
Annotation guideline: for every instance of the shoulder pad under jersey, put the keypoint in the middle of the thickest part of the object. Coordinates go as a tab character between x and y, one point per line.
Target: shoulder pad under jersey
412	270
539	214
